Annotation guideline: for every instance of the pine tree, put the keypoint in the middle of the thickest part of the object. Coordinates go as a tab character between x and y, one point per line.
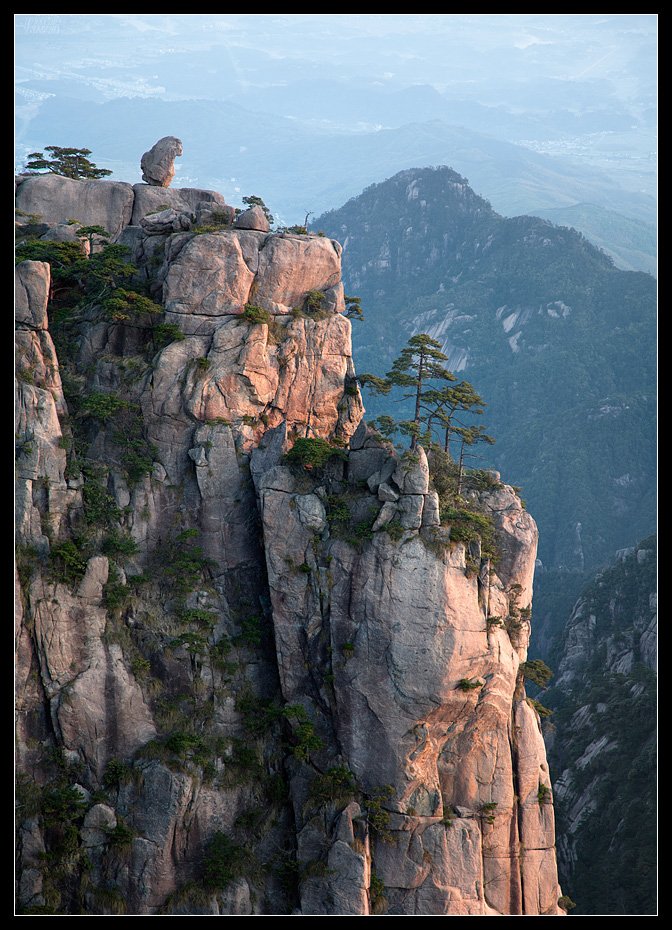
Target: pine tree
443	405
69	162
254	201
419	363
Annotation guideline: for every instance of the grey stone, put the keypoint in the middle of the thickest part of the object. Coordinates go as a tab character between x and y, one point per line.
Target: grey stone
213	214
412	472
269	452
166	222
386	493
410	511
254	218
431	510
94	203
157	164
97	822
311	512
67	232
387	512
31	287
198	456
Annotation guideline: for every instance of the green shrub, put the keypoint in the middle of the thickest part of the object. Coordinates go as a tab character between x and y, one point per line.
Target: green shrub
540	709
348	650
536	671
100	508
313	454
544	794
377	894
68	562
251	632
259	714
223	860
377	816
28	797
487	811
468	525
117	773
194	643
27	561
62	804
337	785
60	255
207	618
312	302
566	903
119	543
165	333
303	731
337	509
469	684
254	314
394	530
115	593
101	406
121	836
125	304
186	563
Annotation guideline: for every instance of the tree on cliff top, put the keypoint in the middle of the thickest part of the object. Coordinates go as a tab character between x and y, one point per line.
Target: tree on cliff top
254	201
69	162
419	362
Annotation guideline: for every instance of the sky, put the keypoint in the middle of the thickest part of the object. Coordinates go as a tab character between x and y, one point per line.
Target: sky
581	88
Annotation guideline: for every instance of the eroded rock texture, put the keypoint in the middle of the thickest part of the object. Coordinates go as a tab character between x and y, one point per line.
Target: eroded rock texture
158	164
385	641
204	630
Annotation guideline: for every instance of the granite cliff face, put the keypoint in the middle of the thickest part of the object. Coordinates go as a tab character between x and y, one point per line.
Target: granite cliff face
603	740
245	683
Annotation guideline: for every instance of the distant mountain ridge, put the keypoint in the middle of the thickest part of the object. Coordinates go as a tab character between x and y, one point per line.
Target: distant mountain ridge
559	342
630	242
301	166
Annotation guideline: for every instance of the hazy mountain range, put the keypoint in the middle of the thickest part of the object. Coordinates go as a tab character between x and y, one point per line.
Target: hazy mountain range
539	112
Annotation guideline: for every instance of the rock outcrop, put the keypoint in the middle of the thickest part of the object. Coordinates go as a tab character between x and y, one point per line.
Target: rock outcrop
94	203
247	685
385	642
158	164
254	218
205	276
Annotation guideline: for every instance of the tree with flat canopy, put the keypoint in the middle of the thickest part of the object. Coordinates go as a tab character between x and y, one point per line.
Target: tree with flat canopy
419	362
444	406
68	162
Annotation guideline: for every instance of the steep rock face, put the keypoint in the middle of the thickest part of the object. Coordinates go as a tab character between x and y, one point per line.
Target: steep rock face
41	486
385	644
159	674
218	273
603	748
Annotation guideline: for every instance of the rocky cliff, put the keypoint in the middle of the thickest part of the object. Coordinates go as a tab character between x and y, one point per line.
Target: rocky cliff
255	673
603	738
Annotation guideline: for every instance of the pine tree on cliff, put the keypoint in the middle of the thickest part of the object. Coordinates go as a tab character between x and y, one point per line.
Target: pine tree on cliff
444	405
68	162
418	363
